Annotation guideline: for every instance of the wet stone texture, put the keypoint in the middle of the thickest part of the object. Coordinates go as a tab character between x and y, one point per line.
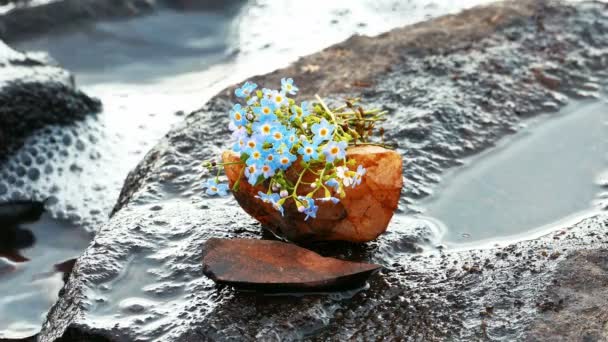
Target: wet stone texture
33	94
454	86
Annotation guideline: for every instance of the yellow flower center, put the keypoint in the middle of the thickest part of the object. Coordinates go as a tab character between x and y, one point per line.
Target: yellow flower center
213	189
266	129
278	136
323	132
237	116
284	161
266	110
334	150
251	144
308	150
279	99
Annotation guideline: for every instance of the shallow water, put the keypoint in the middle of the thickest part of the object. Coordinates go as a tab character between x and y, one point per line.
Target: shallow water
529	183
29	288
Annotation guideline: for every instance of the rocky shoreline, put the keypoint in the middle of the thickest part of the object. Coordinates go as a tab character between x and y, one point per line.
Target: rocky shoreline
455	86
34	93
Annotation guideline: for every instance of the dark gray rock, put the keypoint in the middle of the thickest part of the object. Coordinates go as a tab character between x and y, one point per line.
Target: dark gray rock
34	94
27	19
454	86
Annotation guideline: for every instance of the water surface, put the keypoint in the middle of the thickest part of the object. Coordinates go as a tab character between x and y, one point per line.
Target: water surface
546	173
29	278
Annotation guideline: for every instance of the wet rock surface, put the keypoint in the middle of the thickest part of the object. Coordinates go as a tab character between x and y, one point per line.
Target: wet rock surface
359	217
454	86
275	266
34	94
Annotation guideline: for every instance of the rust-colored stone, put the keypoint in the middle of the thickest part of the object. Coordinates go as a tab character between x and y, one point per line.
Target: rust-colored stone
278	266
361	216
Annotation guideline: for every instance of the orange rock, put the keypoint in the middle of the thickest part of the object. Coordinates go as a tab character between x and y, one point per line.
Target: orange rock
361	216
272	266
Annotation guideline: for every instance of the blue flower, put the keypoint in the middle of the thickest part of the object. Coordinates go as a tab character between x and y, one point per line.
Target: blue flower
255	157
253	142
237	114
267	171
213	188
308	151
271	159
239	145
361	171
329	199
290	138
311	209
265	112
279	99
264	129
252	100
300	112
286	159
306	108
252	172
267	93
333	183
272	199
278	135
245	90
335	150
322	131
288	87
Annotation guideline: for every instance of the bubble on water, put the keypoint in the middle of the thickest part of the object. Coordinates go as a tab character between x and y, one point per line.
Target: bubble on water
20	171
33	174
26	159
67	140
80	145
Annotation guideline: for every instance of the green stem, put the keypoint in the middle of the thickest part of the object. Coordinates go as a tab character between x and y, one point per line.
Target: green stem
333	117
294	194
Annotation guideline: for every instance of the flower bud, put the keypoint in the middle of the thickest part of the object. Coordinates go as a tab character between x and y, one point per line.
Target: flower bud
284	193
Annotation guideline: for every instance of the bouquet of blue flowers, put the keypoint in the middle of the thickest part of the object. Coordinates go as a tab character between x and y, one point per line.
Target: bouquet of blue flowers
271	132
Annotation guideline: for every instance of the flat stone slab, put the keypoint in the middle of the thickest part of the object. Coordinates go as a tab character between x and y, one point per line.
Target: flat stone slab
274	266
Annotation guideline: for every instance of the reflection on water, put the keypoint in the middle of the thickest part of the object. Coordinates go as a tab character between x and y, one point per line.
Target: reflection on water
30	277
545	175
